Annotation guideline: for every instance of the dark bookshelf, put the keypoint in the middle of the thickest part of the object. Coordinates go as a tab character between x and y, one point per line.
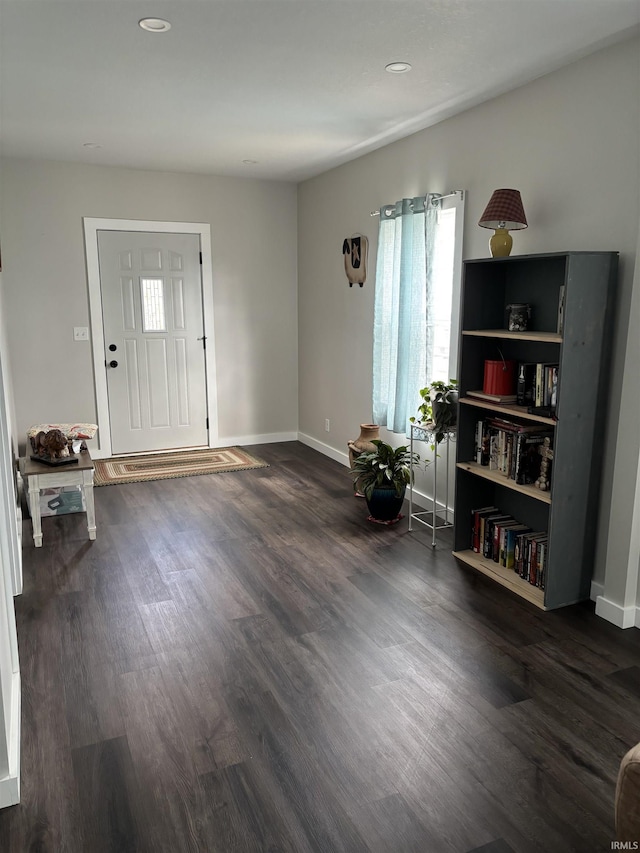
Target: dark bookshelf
568	512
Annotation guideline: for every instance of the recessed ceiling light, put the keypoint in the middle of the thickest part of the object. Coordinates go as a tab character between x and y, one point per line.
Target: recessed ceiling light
250	162
397	67
154	25
91	145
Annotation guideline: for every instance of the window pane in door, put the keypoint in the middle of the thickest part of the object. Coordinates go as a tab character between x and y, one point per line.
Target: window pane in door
153	319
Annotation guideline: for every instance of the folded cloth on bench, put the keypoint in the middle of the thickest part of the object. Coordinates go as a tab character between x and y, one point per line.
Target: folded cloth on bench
73	432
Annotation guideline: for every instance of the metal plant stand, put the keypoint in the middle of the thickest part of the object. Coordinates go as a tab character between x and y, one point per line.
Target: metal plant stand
426	432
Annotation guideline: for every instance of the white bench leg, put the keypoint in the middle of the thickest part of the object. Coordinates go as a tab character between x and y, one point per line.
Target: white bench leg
34	506
88	498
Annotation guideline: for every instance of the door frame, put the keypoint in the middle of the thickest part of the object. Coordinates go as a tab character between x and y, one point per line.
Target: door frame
10	513
203	230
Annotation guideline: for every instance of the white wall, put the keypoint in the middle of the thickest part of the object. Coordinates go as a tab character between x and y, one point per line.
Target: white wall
568	141
253	226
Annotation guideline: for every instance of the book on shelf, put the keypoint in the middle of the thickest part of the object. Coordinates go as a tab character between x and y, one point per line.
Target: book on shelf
499	552
542	562
543	383
479	433
511	536
493	398
518	553
494	450
535	548
508	452
499	423
505	540
547	385
537	384
483	530
489	523
477	526
497	528
546	373
537	397
498	439
531	561
550	385
525	384
512	449
530	458
554	389
524	552
485	448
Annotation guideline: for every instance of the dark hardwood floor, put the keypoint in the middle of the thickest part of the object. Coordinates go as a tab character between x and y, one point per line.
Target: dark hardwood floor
241	662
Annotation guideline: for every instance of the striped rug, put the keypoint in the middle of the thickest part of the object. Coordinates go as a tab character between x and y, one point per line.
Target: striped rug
164	466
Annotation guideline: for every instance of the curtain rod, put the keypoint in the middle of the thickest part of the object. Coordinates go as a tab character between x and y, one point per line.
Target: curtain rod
448	195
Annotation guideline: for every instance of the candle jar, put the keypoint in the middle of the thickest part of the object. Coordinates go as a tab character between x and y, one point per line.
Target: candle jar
519	316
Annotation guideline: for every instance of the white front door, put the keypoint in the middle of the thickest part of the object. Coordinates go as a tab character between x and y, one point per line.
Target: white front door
151	294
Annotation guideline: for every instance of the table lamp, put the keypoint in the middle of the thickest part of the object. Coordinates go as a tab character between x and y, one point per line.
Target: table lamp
504	213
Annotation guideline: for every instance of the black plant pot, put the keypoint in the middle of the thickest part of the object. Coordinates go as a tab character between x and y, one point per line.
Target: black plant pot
385	504
445	416
439	410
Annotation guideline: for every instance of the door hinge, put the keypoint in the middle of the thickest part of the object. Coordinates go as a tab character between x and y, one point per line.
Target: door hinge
207	423
200	253
204	341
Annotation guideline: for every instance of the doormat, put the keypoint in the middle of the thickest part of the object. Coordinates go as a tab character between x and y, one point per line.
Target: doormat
165	466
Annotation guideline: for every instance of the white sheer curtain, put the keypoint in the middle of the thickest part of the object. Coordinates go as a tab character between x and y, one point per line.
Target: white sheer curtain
412	314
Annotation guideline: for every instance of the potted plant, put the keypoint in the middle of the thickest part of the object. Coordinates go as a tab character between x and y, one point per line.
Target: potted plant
382	476
439	407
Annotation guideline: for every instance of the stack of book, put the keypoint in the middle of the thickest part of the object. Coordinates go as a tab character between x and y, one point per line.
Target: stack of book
512	449
499	537
537	384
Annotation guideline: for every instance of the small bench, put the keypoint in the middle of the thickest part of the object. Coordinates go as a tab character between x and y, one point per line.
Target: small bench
40	476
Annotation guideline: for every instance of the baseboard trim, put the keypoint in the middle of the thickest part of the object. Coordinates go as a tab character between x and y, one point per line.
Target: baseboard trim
10	783
622	617
227	441
263	438
597	589
325	449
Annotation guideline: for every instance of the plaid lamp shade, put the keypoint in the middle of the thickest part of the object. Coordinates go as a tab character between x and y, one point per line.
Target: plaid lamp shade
504	210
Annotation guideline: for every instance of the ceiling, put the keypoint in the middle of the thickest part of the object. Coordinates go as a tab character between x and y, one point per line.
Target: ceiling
298	86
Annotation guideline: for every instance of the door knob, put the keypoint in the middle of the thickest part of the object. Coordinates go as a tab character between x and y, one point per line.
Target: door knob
113	363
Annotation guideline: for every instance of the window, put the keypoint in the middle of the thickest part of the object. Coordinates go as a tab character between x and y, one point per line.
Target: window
442	314
153	319
416	302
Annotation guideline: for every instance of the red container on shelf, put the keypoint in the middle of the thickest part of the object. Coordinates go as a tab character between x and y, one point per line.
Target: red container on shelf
499	378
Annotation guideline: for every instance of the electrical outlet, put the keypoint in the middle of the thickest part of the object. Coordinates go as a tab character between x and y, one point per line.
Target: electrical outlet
80	333
327	425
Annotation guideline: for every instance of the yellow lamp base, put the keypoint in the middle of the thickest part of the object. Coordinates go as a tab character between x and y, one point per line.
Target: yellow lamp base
501	243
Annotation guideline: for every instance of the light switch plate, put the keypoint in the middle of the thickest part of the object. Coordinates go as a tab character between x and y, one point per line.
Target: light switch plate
80	333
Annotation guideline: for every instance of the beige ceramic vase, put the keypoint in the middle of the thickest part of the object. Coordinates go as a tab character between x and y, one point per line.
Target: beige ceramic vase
362	444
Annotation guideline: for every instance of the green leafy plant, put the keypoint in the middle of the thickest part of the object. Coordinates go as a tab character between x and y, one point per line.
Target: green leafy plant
383	468
439	407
